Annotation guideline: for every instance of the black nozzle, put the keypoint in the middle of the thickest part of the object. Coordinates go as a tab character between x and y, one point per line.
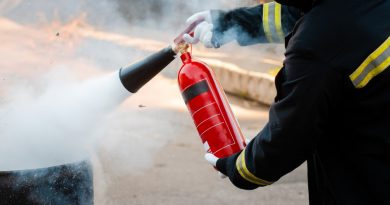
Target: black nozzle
138	74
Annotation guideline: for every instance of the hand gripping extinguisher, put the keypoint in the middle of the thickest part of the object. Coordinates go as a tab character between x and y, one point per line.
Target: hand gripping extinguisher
209	107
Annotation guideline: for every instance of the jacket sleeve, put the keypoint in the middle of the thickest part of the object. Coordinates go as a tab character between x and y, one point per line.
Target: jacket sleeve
308	93
265	23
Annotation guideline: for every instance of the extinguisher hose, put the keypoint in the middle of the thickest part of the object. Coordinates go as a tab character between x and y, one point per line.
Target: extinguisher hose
189	30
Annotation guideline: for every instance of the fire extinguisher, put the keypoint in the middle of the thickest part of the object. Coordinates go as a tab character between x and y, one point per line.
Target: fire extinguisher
209	107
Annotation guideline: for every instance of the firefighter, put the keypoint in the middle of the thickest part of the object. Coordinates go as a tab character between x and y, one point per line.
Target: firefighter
332	107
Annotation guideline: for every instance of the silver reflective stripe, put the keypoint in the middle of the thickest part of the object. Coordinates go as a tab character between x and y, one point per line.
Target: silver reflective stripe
373	65
272	24
271	21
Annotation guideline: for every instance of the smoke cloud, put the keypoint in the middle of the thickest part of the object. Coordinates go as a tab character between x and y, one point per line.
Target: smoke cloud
56	126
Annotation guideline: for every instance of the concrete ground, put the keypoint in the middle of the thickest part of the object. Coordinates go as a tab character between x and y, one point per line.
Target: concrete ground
150	152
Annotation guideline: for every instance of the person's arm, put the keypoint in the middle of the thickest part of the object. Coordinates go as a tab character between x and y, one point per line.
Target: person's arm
308	95
265	23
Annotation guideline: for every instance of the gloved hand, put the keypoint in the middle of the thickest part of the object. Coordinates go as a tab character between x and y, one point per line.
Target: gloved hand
203	32
212	159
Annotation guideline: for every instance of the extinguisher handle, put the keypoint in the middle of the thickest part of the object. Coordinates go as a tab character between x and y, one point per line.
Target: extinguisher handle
190	30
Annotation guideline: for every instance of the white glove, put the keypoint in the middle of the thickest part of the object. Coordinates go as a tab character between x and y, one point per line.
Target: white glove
212	159
203	32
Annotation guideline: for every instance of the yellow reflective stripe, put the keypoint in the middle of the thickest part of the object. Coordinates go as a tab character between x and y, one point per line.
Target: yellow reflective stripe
278	21
267	30
373	65
246	174
272	22
369	59
377	70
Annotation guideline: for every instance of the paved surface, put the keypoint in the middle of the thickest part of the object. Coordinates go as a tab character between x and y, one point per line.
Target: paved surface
149	152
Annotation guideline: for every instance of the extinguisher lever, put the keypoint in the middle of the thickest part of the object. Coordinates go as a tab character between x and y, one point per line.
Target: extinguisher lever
190	30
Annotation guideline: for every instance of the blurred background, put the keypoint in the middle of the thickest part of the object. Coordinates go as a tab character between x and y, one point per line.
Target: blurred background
145	150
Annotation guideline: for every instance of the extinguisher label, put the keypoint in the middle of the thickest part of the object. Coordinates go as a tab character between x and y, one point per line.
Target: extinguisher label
201	123
208	118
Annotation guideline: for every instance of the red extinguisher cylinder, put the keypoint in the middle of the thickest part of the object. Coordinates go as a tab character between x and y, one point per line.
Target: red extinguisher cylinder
209	108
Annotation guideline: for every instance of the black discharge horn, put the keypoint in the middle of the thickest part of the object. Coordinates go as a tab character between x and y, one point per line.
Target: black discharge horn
138	74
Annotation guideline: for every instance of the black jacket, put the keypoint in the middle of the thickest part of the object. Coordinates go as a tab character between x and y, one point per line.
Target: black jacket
332	108
265	23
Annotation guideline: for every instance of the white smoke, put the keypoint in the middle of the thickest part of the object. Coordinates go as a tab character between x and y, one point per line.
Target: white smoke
38	12
55	126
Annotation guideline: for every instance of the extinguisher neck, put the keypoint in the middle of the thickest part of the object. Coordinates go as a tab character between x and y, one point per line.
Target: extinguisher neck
186	57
